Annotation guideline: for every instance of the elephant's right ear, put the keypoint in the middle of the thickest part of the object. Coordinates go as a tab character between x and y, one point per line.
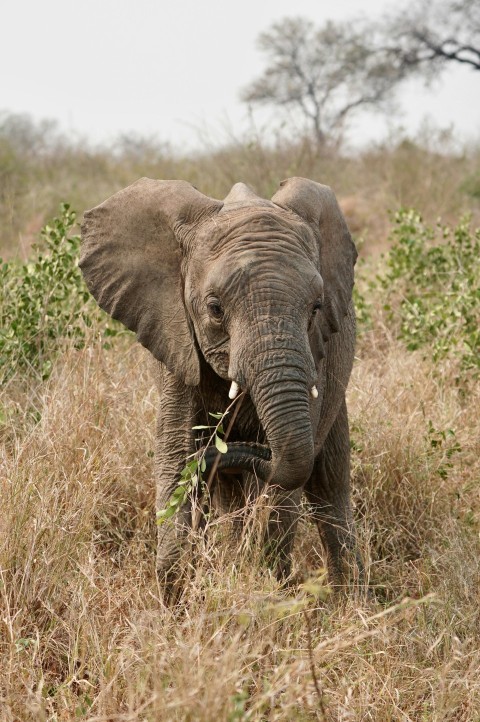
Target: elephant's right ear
131	262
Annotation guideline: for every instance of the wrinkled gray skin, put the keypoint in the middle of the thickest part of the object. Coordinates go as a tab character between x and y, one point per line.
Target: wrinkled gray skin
249	290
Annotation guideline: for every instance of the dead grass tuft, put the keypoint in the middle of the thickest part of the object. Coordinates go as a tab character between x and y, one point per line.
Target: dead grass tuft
85	636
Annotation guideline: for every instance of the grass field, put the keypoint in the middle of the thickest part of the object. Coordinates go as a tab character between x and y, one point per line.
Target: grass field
83	633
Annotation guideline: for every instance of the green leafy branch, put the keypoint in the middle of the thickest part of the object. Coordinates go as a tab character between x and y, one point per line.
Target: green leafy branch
191	475
432	289
44	301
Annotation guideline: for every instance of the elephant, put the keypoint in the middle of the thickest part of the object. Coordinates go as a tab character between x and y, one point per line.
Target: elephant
251	295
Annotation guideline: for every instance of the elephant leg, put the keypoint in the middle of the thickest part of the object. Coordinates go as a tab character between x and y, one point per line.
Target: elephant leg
175	442
328	493
171	545
228	499
227	495
282	524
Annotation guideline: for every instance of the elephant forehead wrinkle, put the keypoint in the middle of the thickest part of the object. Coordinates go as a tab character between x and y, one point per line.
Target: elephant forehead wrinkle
225	280
264	245
297	284
247	274
260	227
272	299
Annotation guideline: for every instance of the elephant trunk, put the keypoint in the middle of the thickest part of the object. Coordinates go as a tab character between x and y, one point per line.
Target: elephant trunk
280	393
279	381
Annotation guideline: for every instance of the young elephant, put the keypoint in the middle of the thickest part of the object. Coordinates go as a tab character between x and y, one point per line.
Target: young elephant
247	294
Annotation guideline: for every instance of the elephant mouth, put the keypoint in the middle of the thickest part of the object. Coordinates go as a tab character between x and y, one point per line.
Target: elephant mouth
286	456
240	456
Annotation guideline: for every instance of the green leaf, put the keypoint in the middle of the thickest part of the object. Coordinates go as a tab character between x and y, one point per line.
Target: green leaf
221	445
189	469
178	494
165	514
215	416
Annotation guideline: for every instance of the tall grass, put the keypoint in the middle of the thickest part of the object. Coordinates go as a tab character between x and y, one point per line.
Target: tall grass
83	632
85	635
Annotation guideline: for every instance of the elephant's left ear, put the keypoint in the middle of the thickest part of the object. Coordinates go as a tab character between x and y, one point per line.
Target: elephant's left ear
316	204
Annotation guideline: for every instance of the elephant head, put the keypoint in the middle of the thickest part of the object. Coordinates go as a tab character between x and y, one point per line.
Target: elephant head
254	286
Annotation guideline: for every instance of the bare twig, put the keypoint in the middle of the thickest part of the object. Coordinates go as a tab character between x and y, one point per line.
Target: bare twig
316	684
236	405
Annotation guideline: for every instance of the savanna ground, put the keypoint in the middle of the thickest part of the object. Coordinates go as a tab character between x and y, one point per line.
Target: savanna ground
83	632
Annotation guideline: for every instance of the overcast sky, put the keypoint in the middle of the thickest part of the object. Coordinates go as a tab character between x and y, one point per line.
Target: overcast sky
105	67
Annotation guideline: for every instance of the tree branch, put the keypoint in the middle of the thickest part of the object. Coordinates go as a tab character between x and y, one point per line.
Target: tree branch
440	50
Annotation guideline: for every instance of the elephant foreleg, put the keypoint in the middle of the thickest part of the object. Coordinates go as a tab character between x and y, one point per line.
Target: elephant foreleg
175	442
328	493
227	495
228	500
281	529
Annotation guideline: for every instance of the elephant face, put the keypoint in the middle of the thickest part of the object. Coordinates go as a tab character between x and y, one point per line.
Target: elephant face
258	286
251	278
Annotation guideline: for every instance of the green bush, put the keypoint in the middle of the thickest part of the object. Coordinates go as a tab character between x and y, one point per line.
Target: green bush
45	301
432	286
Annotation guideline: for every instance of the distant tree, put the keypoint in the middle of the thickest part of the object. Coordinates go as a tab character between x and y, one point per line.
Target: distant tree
325	75
429	34
24	135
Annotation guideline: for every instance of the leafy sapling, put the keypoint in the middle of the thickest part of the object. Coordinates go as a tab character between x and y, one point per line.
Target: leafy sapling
191	477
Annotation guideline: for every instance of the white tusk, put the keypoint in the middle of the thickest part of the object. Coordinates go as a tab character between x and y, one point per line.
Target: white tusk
314	392
234	389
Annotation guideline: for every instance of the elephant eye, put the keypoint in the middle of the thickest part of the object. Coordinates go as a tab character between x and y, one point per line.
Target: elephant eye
317	306
215	310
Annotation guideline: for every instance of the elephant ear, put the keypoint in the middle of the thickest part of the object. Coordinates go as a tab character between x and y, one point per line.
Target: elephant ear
131	263
316	204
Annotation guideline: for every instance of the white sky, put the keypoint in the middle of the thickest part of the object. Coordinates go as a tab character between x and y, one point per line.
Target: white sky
174	68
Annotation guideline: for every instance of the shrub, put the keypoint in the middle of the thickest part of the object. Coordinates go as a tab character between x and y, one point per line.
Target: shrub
432	285
44	301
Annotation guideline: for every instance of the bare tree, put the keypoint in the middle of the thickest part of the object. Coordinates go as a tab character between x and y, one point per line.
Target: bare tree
325	75
428	35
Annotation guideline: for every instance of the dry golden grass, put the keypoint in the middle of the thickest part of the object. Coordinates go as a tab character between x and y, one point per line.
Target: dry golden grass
83	634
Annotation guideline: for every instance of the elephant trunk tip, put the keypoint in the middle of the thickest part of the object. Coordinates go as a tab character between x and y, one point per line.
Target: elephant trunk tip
291	476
